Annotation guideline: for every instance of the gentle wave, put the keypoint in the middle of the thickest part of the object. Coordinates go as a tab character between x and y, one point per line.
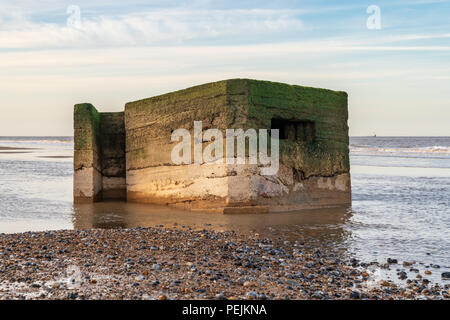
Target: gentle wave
37	140
431	150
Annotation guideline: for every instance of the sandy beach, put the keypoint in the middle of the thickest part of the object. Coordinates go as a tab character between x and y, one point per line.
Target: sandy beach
166	263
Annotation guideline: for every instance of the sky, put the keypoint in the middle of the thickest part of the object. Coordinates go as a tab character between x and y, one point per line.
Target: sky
391	57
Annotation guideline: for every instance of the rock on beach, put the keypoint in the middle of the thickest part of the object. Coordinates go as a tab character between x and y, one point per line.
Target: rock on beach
170	263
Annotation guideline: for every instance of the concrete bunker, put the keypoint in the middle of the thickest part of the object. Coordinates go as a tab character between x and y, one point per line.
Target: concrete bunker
126	155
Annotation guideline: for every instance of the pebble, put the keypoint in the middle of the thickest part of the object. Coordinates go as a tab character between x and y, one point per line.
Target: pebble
251	295
220	296
158	263
392	261
156	266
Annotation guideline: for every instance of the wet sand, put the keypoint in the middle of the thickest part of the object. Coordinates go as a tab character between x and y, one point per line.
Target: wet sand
15	150
2	148
56	157
20	150
181	263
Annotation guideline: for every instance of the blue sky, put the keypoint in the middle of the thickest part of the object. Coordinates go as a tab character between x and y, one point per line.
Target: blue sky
397	77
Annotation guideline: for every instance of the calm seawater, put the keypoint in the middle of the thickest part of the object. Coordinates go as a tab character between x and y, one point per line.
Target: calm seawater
401	200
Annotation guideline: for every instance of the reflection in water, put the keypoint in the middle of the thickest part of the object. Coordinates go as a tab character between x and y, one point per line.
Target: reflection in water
325	226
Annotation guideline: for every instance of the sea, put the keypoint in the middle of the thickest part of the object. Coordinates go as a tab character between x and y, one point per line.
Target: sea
400	201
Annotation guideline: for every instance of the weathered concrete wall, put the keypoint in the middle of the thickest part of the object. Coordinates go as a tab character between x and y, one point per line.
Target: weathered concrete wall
99	154
112	137
87	177
328	155
313	173
151	175
286	192
130	152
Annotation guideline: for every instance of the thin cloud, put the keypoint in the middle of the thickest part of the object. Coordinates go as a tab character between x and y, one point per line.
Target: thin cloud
166	27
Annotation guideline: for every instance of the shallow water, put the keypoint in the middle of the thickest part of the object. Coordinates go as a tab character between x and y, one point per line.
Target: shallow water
400	209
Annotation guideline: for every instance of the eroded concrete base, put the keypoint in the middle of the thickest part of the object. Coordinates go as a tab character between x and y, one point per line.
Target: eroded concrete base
87	185
235	188
190	186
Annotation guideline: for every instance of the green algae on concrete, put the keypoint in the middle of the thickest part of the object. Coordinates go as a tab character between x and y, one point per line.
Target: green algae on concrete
327	155
314	121
86	134
99	153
